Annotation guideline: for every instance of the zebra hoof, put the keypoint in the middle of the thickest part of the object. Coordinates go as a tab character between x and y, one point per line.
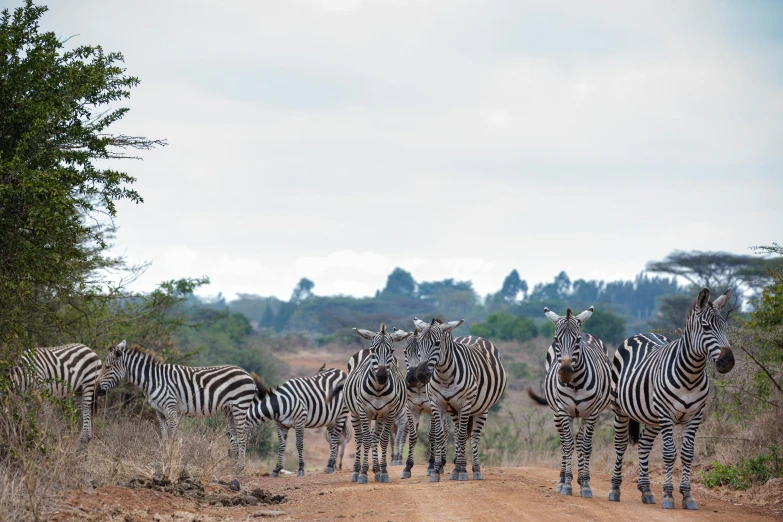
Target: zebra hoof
477	475
566	490
274	474
385	478
405	474
689	503
453	475
362	479
649	498
586	492
667	502
559	487
435	477
329	470
463	475
354	476
429	472
377	477
614	495
300	473
396	463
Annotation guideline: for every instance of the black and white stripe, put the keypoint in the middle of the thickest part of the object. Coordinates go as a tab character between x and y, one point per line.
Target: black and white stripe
418	401
62	371
304	402
661	383
174	390
374	390
464	377
577	385
345	435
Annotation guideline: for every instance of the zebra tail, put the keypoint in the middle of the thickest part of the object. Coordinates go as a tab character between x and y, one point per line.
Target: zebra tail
261	390
536	397
633	431
336	391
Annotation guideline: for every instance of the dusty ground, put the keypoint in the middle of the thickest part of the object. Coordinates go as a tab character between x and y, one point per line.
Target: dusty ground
505	494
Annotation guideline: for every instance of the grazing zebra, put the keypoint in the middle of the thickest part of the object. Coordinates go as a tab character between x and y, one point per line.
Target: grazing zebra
374	390
577	385
62	370
661	383
464	377
304	402
173	390
345	435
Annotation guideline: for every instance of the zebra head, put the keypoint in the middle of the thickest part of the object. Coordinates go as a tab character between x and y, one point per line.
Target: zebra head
114	369
431	340
411	358
705	328
381	351
567	342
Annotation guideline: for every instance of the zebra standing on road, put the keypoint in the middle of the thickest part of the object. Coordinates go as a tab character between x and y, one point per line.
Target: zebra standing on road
661	383
577	385
374	390
174	390
62	371
305	402
464	377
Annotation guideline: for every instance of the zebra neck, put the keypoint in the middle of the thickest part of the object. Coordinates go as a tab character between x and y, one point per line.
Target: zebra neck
446	359
691	362
143	371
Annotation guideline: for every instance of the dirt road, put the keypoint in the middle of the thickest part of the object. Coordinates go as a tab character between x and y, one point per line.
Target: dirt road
505	494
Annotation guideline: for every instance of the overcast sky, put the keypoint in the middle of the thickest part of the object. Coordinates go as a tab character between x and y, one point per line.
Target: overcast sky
338	139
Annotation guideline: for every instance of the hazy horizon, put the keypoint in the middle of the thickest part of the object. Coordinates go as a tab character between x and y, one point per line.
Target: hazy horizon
339	139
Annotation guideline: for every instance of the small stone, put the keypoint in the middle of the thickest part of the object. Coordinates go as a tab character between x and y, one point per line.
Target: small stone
250	500
234	485
268	513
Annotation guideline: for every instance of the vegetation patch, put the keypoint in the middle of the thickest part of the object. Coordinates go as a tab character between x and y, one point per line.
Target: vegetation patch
746	472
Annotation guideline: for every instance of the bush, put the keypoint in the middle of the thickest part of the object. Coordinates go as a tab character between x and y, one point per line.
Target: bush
607	326
502	326
747	472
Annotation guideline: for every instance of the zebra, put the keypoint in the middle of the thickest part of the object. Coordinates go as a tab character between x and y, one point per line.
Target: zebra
304	402
345	435
577	385
661	383
464	377
397	436
374	390
62	370
173	390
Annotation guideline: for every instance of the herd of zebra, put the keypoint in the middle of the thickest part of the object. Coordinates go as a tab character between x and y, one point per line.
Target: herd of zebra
652	381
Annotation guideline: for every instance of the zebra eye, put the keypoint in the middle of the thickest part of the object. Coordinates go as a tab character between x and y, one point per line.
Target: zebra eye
437	343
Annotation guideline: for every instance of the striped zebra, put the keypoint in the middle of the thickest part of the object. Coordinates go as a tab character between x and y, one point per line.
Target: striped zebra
577	385
62	371
464	377
374	390
397	437
345	435
304	402
660	383
174	390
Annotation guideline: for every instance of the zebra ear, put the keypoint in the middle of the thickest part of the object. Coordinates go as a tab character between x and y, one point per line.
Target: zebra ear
721	302
704	299
445	328
122	344
399	335
418	323
365	333
551	315
584	316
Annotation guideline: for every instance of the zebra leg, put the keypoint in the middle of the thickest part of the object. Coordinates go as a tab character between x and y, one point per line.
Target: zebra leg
563	423
86	406
334	440
367	439
621	421
163	425
646	440
380	431
357	437
686	454
431	440
413	437
299	429
478	425
282	438
669	456
232	437
438	443
584	450
238	417
460	439
399	442
385	432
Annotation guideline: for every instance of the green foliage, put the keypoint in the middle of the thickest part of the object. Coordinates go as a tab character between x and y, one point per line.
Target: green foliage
517	369
505	327
607	326
747	472
399	282
546	329
671	311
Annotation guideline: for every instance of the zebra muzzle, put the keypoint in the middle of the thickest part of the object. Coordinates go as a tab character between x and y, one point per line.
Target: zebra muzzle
382	374
725	361
423	374
565	374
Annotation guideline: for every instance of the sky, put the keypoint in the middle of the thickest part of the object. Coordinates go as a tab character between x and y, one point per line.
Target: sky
339	139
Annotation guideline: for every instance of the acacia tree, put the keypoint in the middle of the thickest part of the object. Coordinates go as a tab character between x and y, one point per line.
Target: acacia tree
56	108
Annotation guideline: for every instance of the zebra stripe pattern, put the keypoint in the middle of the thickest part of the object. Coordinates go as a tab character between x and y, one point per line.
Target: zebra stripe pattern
62	371
577	385
374	390
661	383
305	402
418	401
345	435
174	390
465	377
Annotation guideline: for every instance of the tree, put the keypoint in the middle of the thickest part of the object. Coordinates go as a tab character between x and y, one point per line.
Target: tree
671	312
56	202
400	282
512	286
607	326
303	290
505	327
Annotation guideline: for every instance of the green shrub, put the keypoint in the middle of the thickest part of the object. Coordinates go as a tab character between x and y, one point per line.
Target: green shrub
746	472
503	326
518	369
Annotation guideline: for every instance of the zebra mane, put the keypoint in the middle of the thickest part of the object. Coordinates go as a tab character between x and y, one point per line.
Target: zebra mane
144	351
